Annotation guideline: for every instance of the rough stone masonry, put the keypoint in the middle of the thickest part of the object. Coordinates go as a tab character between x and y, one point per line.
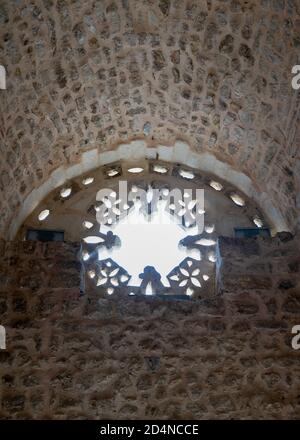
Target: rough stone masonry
84	75
90	357
93	74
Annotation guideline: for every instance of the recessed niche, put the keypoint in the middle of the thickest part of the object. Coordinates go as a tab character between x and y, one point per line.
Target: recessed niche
44	235
191	254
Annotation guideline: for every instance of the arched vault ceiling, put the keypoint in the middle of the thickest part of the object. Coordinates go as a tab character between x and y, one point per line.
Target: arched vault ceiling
92	74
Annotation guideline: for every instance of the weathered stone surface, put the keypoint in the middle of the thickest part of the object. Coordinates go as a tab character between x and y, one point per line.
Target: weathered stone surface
71	357
89	74
248	282
75	69
240	247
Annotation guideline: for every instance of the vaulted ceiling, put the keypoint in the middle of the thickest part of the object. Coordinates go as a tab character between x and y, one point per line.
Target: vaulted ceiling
92	74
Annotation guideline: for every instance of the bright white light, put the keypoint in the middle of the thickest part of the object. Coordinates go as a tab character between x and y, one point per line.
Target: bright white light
216	185
112	173
258	222
189	291
88	225
238	200
85	255
147	242
186	174
43	215
209	229
93	239
92	274
65	192
88	180
135	170
205	242
160	169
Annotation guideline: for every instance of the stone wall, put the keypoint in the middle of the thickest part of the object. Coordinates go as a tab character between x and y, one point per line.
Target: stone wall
297	174
72	356
268	265
95	73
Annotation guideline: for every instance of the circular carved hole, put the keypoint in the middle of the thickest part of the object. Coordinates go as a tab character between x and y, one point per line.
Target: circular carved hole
238	200
88	181
43	215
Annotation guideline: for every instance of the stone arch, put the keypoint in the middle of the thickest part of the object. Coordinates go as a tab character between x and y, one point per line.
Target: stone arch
86	75
180	152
